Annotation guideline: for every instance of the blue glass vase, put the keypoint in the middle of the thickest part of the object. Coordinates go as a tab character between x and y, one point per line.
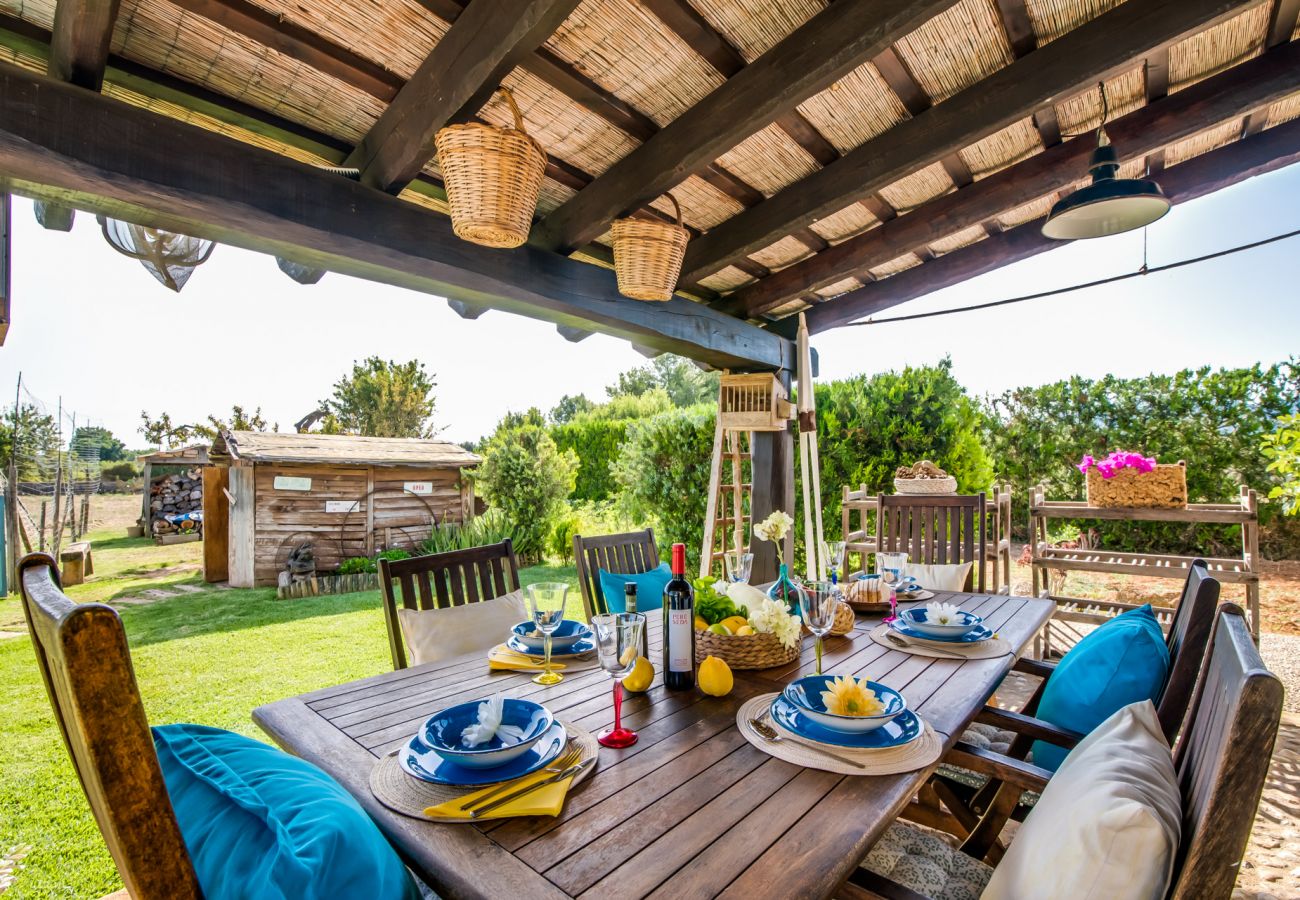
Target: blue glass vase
786	591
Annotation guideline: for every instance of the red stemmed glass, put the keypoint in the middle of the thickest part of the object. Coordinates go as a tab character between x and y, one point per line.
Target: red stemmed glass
618	641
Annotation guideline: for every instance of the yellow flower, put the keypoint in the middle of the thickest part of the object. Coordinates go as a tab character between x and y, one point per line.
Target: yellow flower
849	697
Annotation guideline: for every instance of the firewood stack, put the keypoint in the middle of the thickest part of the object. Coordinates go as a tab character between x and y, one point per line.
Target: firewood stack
174	495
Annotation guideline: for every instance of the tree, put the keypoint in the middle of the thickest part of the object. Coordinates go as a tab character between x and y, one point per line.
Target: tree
685	384
569	406
162	432
93	437
1282	449
384	399
38	439
527	477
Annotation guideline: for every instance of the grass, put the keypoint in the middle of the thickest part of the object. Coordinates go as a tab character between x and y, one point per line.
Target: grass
206	657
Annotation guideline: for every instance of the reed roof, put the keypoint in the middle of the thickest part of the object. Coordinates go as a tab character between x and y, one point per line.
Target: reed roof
339	449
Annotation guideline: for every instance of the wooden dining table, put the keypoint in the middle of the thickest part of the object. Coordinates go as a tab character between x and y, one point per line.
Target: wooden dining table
691	810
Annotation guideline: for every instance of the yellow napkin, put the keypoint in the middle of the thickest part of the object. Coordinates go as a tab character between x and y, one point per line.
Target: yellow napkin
502	657
546	801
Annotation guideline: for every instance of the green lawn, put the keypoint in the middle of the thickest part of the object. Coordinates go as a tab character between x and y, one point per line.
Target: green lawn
206	657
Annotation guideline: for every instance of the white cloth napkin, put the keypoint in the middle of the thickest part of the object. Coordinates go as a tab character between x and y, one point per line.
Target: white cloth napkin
489	725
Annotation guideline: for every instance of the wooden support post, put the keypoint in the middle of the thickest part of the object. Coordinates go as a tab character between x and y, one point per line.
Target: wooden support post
146	514
772	474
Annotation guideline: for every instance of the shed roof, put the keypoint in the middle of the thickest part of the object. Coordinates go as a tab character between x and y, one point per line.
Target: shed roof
193	455
339	449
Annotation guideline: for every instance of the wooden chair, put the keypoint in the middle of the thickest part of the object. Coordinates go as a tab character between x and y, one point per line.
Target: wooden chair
979	817
624	554
82	654
440	580
1221	762
938	529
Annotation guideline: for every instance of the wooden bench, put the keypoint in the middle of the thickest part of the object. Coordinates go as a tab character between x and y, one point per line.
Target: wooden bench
75	563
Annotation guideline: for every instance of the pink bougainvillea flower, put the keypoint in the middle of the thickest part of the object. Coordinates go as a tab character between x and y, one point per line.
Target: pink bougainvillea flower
1106	469
1086	462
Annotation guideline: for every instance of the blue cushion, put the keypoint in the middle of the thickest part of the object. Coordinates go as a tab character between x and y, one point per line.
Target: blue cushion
649	588
1122	662
263	825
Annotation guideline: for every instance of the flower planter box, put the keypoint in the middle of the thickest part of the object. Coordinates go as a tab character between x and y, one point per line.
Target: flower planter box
1165	487
329	584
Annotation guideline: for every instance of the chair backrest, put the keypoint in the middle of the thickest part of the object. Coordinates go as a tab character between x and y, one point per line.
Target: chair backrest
938	529
82	653
440	580
1189	635
1223	759
624	554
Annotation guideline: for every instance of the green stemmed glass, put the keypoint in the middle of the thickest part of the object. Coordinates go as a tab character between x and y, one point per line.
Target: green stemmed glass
817	607
546	601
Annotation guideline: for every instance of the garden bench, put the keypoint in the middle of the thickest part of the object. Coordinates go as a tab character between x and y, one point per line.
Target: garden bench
75	563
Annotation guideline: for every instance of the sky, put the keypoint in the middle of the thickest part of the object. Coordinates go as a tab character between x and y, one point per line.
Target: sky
93	327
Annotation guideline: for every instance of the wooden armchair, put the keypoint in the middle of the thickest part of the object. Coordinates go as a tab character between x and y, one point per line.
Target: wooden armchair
84	661
938	529
979	816
440	580
1221	762
624	554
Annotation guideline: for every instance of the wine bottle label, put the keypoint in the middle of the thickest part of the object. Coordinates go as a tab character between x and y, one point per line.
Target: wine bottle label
679	640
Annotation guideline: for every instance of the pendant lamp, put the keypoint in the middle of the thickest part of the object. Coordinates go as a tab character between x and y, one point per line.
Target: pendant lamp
169	257
1109	205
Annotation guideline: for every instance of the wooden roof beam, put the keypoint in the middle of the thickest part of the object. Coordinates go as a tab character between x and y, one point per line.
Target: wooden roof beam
484	43
1077	59
1283	18
823	49
1272	149
1254	84
61	143
1019	29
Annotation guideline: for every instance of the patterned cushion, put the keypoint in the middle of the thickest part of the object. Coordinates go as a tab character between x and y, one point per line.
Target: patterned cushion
921	861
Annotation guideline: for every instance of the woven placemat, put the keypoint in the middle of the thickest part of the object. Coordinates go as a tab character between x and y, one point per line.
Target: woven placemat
990	649
572	663
917	754
411	796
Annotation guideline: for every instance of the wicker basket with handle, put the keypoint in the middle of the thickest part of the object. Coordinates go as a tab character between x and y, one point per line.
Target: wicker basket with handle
493	176
648	256
744	651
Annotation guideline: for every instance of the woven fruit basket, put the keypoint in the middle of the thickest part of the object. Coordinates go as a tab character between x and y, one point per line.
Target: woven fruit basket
844	619
744	651
1164	487
924	477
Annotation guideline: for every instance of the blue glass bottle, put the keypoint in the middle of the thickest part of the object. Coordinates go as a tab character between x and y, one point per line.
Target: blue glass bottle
786	591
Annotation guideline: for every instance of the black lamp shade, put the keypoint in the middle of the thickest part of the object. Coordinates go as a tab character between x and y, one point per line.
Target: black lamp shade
1108	206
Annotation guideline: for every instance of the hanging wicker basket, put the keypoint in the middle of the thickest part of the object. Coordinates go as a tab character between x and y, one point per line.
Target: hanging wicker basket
648	256
492	176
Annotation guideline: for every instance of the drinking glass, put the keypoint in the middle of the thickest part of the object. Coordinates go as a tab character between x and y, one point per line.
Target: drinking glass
738	565
546	600
833	555
890	566
817	605
618	642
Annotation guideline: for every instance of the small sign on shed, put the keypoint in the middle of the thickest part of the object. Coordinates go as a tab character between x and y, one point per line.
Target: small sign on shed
291	483
421	488
342	506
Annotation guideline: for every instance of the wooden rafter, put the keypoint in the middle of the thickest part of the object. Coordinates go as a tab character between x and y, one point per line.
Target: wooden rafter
823	49
1283	18
1265	152
62	143
1155	76
458	76
1252	85
82	32
1077	59
1019	29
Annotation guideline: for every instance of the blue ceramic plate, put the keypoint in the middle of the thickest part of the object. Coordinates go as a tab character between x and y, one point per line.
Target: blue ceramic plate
441	733
585	645
974	636
418	761
904	729
918	618
566	635
806	693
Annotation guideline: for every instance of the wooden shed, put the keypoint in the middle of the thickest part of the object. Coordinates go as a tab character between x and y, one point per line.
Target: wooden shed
347	496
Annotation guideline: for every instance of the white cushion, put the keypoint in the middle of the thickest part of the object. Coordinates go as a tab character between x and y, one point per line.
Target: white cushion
1108	823
433	635
939	578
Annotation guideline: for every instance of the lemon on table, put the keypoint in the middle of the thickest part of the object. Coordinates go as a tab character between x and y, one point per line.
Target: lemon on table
720	629
715	677
745	630
701	624
640	677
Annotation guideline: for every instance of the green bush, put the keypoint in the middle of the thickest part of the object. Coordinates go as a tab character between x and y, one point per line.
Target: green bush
357	565
119	471
1282	449
561	542
527	477
1215	419
489	528
393	555
596	442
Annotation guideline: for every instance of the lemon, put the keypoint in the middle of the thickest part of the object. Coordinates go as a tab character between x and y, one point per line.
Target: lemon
640	677
720	629
700	624
735	623
745	630
715	677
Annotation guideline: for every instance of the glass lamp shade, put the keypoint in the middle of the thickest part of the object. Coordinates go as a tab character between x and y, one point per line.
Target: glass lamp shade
1108	206
169	257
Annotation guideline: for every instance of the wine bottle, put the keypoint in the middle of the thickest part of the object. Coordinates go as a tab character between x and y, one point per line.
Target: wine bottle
679	626
629	593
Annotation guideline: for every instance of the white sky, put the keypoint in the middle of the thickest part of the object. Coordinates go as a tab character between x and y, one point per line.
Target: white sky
94	327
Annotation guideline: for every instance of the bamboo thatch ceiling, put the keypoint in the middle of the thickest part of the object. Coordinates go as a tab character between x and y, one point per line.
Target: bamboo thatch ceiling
310	78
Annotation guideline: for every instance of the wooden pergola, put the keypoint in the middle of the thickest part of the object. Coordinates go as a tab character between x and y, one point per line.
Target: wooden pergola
834	157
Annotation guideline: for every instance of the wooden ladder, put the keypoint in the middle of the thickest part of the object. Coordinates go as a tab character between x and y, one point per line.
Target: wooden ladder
727	517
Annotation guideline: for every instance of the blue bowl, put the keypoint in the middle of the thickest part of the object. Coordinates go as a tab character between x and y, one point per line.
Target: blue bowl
918	619
441	733
569	632
806	694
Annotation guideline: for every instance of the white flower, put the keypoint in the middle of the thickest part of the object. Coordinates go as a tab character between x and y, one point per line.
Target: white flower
774	528
489	725
721	586
767	616
942	614
745	595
